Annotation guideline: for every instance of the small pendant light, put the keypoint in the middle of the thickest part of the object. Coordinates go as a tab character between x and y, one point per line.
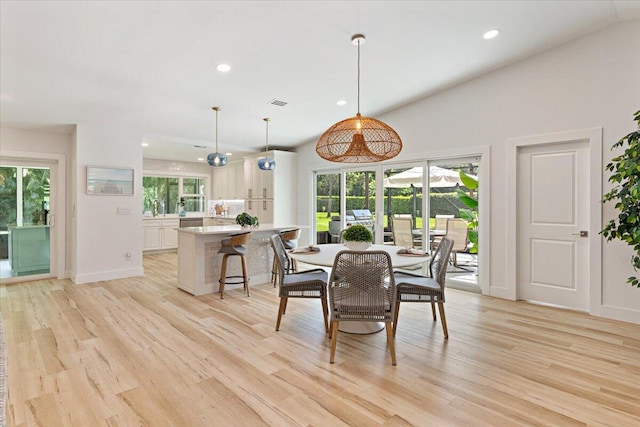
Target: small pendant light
267	164
216	159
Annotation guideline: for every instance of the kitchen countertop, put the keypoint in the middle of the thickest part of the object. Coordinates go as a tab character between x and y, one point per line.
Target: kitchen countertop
232	229
176	216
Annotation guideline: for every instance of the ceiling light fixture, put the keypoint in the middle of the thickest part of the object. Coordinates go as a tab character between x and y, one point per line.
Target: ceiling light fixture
359	139
216	159
491	34
223	68
341	102
265	163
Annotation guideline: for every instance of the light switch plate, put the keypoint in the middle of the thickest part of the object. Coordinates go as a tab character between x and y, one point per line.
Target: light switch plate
123	210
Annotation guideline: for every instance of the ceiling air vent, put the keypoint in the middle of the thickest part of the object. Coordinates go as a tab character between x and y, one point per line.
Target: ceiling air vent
277	102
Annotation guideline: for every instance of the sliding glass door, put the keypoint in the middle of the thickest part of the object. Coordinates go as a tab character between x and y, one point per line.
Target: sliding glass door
428	195
25	241
327	207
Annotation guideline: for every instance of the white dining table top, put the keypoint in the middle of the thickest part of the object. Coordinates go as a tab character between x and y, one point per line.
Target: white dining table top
327	254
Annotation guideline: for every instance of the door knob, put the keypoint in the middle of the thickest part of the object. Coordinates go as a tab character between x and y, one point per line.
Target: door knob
582	233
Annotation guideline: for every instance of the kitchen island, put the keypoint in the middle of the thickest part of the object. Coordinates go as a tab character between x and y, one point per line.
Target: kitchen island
199	261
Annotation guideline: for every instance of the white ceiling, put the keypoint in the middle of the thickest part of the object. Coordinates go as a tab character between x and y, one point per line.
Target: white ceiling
152	63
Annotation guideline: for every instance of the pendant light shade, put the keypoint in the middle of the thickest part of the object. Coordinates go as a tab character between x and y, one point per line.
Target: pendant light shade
359	139
216	159
266	163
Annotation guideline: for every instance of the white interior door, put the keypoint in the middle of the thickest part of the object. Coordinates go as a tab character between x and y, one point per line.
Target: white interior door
553	224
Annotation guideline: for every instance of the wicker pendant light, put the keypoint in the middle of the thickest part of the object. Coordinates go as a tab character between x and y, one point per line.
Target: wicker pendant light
266	163
216	159
359	139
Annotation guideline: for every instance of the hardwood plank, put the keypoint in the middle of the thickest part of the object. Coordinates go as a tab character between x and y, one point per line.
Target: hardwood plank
138	351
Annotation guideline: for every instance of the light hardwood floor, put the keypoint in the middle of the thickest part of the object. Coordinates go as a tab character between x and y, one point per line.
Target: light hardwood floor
140	352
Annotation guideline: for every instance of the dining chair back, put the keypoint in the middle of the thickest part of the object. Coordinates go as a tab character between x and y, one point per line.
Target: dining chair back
402	229
362	289
289	238
299	284
417	288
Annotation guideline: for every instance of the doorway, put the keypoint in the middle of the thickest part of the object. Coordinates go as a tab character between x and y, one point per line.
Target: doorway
28	240
557	219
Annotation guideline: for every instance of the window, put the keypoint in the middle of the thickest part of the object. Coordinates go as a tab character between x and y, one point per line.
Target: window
163	194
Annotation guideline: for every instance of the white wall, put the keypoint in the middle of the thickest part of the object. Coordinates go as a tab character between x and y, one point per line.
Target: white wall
103	238
590	82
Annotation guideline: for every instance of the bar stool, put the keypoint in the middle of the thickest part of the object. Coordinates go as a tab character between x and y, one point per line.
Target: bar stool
288	237
233	247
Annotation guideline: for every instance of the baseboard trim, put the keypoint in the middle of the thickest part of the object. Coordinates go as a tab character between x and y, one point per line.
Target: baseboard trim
80	279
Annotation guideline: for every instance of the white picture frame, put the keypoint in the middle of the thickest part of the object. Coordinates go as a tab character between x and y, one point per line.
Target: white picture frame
108	181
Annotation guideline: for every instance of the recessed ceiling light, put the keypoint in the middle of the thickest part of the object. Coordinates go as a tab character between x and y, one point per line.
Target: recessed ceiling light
341	102
491	34
201	159
228	154
223	68
144	144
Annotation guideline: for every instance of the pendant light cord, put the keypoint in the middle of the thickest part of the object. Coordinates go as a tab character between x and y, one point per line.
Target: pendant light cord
216	109
359	76
266	147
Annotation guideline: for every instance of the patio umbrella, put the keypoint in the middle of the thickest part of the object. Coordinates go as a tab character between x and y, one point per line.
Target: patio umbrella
438	177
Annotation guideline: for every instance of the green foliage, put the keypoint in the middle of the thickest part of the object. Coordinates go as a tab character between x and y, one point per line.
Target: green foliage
471	214
357	233
246	220
35	191
440	203
8	197
625	176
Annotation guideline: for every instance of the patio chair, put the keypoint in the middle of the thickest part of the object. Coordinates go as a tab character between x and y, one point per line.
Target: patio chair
402	231
417	288
440	225
458	231
302	284
362	289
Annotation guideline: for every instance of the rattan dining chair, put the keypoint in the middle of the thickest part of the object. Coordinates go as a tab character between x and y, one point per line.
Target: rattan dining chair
288	240
362	289
301	284
416	288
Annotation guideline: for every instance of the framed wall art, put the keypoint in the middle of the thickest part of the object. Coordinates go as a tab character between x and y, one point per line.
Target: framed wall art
107	181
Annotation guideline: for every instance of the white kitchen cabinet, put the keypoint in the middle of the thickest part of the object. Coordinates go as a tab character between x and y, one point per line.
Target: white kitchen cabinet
258	184
160	234
228	181
262	208
270	195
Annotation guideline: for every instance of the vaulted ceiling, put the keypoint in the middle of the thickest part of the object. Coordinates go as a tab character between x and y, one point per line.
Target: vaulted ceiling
153	63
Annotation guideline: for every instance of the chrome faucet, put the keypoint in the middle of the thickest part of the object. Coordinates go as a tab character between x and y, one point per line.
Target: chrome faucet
154	211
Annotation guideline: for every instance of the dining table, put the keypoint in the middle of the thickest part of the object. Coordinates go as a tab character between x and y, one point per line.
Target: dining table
324	255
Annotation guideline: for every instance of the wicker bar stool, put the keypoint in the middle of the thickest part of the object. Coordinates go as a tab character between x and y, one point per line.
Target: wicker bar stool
233	246
288	237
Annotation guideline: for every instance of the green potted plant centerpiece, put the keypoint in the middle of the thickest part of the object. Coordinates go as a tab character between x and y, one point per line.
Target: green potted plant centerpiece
245	220
357	237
